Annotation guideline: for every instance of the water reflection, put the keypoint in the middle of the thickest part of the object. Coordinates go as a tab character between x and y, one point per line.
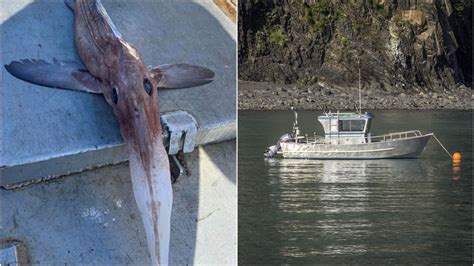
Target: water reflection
356	212
329	202
456	171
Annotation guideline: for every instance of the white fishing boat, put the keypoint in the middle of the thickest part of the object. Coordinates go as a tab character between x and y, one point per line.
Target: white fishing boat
347	136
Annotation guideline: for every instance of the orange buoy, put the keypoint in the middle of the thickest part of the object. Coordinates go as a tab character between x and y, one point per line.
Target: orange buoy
456	157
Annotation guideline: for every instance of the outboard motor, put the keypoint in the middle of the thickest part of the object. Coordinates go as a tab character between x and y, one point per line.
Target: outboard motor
288	137
273	150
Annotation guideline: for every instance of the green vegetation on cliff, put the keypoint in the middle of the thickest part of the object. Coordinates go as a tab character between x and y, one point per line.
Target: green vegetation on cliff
399	45
318	15
278	37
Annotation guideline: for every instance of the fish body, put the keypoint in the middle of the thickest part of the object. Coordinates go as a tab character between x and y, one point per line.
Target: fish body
118	64
112	67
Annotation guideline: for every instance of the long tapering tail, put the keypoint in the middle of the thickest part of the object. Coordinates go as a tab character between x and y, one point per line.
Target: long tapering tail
154	197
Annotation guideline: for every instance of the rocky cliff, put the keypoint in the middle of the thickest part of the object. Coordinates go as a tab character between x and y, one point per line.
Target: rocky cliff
399	45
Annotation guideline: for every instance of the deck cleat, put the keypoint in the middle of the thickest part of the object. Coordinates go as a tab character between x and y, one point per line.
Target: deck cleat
181	129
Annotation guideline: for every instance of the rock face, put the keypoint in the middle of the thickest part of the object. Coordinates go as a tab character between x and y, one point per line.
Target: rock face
399	45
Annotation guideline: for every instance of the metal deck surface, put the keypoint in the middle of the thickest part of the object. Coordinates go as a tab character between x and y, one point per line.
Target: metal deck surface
48	132
92	218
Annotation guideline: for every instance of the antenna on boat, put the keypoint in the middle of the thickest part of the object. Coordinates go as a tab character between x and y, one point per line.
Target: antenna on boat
296	117
360	96
296	130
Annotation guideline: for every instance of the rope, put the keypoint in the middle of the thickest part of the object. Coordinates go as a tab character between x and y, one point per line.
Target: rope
442	146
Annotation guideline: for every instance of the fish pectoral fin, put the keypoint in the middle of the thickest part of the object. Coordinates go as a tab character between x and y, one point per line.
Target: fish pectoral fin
68	75
178	76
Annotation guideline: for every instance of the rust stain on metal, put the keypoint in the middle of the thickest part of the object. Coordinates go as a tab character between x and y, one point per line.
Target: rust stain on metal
228	7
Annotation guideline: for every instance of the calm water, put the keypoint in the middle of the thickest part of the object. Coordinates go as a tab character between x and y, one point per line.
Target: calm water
367	212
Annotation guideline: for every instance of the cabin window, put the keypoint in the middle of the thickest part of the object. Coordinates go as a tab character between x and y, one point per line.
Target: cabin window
351	125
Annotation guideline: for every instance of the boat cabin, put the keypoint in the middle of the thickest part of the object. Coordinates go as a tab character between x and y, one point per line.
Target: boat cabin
346	128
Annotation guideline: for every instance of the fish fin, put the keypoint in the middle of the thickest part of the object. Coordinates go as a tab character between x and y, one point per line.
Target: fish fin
70	4
178	76
59	74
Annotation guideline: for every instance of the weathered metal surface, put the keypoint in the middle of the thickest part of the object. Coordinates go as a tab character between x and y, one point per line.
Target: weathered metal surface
30	173
44	128
401	148
92	218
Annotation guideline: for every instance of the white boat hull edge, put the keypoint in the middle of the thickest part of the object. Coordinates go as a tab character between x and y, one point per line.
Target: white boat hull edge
400	148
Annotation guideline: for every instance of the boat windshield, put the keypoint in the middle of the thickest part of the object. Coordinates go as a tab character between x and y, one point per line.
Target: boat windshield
351	125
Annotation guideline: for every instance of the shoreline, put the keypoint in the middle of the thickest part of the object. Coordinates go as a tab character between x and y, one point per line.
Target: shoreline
266	96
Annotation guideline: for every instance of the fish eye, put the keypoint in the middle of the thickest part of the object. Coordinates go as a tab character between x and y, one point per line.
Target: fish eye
147	86
115	94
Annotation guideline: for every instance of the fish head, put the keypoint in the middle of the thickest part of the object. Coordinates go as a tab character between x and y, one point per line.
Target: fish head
128	86
133	95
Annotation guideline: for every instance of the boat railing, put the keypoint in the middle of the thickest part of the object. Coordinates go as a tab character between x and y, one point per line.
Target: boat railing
380	138
396	136
314	139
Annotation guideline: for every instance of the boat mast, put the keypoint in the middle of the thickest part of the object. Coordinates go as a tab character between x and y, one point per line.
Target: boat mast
360	100
295	124
296	130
